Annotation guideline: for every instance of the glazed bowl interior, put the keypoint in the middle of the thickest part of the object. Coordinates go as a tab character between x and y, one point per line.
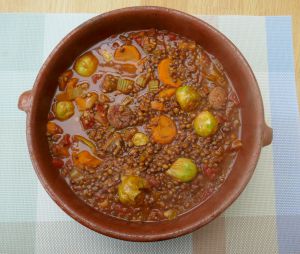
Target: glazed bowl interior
130	19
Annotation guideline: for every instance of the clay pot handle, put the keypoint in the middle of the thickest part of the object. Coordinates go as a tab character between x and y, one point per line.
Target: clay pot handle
24	102
267	136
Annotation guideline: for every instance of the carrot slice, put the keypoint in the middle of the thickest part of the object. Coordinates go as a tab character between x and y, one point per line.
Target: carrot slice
164	73
167	93
156	105
85	159
163	129
127	53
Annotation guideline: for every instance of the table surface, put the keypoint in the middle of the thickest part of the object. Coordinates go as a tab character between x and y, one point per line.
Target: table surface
204	7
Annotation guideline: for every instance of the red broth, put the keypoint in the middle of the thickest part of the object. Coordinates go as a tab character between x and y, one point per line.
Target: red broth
144	126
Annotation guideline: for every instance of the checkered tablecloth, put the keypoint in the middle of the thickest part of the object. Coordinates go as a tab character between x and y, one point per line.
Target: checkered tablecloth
265	218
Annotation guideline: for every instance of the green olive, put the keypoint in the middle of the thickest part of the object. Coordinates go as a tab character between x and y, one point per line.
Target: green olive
130	188
86	64
183	169
187	97
64	110
205	124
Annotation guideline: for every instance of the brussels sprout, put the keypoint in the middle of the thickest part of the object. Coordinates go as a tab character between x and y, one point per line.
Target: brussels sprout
205	124
140	139
183	169
86	64
130	187
64	110
187	97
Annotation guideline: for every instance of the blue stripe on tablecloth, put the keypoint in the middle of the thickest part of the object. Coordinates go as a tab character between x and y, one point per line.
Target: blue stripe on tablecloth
285	122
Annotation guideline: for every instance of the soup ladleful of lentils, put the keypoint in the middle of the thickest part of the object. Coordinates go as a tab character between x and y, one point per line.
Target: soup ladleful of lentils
144	125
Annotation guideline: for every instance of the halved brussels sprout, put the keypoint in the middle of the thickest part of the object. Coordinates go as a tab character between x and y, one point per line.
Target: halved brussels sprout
183	170
205	124
130	187
63	110
86	64
187	97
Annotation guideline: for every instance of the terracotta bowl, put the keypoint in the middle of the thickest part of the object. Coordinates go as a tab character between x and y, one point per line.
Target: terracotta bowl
36	103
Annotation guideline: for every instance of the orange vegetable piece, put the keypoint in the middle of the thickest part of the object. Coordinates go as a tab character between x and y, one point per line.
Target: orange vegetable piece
84	159
73	90
163	129
156	105
81	103
63	79
127	53
62	148
167	93
130	68
70	85
164	73
60	151
87	102
53	128
62	97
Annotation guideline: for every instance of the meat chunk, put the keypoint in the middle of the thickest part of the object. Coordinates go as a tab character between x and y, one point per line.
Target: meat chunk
119	116
149	43
217	98
109	83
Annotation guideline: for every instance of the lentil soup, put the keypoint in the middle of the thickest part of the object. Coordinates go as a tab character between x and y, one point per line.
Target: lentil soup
144	126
